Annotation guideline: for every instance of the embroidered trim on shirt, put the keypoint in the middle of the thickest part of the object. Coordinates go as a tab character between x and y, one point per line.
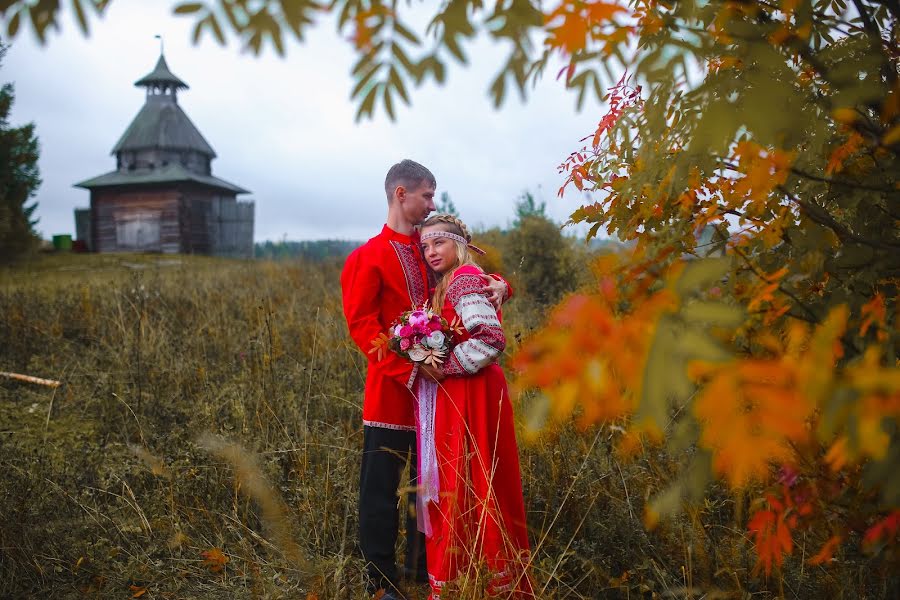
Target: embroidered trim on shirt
406	254
474	355
389	425
462	286
480	319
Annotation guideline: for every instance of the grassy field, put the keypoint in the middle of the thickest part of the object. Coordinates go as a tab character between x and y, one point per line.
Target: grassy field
205	444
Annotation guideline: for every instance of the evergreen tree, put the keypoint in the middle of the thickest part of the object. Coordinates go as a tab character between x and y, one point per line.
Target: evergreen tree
526	206
446	205
19	179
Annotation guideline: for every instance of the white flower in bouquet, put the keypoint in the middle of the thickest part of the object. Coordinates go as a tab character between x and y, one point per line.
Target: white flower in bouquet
417	353
436	340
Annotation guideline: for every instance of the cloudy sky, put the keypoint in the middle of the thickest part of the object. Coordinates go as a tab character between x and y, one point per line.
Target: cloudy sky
284	127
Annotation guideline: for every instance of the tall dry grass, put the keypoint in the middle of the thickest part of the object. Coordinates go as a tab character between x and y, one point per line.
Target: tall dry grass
206	443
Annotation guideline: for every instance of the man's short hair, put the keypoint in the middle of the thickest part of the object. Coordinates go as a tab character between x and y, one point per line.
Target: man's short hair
409	174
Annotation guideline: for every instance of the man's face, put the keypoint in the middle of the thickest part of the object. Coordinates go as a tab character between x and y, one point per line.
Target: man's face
418	203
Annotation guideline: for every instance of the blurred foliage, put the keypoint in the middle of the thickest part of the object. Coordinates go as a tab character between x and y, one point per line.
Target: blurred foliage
19	179
777	125
393	54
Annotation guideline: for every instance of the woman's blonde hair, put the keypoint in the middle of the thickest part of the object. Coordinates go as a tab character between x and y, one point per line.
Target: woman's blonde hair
450	224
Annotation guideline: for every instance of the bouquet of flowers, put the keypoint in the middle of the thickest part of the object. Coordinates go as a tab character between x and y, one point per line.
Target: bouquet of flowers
420	334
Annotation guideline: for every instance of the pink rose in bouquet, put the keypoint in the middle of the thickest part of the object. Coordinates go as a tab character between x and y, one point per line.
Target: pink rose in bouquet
420	335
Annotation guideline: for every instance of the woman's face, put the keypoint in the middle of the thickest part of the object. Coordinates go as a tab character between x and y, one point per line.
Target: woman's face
440	252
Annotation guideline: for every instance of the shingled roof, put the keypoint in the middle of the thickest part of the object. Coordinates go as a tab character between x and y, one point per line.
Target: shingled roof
162	124
173	173
161	75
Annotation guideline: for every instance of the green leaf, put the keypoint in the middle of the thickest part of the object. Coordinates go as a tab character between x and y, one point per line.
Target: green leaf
694	344
388	102
13	28
701	273
498	89
275	35
188	8
397	83
669	502
658	375
363	63
216	29
198	30
365	80
368	103
453	46
80	16
537	415
406	33
401	57
714	313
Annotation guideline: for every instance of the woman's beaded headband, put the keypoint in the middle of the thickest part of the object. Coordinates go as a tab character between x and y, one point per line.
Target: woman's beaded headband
452	236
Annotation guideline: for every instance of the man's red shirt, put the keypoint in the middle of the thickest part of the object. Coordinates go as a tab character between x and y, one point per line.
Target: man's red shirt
381	279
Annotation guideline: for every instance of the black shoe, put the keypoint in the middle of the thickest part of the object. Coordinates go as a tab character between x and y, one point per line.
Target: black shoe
414	575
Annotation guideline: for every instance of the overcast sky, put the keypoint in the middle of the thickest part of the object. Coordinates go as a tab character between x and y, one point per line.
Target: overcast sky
284	128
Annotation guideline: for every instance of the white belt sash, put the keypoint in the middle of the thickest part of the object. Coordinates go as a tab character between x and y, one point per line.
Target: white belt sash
429	486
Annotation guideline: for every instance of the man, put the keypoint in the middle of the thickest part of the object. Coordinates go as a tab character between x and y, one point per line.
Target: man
381	279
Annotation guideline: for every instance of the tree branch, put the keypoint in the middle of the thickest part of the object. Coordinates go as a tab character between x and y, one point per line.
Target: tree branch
822	217
828	180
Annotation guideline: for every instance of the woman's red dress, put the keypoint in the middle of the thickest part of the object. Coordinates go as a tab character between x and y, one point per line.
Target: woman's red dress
480	519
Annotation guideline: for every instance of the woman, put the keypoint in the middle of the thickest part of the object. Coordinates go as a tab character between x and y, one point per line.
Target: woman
479	518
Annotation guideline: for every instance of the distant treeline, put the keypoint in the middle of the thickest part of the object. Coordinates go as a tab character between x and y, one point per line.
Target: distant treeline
311	250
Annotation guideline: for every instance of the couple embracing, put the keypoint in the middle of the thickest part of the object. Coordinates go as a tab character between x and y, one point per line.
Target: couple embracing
476	520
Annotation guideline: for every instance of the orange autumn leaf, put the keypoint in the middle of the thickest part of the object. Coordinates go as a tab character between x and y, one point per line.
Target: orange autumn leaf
366	23
763	170
826	553
838	454
576	22
874	313
772	536
884	530
840	154
214	559
137	590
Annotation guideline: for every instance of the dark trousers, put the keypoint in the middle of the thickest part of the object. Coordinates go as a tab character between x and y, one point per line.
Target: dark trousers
385	452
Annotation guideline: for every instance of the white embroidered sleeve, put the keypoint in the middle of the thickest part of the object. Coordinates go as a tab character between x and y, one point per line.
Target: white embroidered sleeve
480	319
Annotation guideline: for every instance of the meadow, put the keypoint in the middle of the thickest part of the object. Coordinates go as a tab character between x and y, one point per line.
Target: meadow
205	443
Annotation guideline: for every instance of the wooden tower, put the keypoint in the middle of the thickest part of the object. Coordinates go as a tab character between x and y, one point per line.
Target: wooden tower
163	197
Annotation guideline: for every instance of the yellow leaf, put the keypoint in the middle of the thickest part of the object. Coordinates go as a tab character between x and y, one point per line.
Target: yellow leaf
892	136
845	115
873	441
838	455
